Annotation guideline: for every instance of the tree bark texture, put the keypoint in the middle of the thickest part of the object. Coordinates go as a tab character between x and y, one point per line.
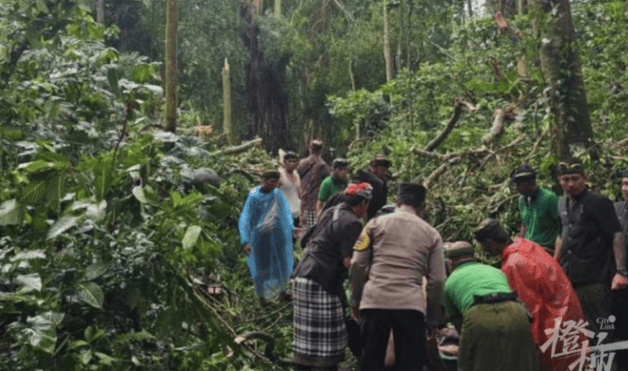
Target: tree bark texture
100	12
172	23
521	6
561	68
387	51
278	6
226	99
266	97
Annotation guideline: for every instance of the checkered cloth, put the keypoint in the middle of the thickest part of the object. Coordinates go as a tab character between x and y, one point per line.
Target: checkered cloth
320	336
310	219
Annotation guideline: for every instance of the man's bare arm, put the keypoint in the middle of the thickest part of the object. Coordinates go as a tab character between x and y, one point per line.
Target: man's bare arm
522	232
558	247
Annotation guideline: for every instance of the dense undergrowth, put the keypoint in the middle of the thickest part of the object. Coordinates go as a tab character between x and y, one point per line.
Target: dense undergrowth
107	246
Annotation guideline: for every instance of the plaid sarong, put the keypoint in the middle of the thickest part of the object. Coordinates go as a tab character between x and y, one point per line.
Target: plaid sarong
320	336
310	219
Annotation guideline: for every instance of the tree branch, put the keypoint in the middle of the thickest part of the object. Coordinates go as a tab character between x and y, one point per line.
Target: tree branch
238	149
448	128
496	129
439	171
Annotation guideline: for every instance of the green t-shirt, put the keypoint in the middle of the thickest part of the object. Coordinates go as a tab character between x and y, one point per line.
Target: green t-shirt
541	218
329	187
471	279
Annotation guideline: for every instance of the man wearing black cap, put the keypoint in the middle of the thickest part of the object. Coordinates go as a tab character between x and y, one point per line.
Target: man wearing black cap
590	237
397	250
376	176
312	171
539	208
334	183
620	296
494	328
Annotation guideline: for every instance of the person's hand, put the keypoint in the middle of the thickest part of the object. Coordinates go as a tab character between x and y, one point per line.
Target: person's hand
619	282
247	248
355	313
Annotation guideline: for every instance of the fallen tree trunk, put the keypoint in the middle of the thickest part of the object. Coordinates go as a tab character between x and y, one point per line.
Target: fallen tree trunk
238	149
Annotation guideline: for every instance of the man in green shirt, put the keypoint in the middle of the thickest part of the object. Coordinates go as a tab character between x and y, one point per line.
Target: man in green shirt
494	328
539	209
336	182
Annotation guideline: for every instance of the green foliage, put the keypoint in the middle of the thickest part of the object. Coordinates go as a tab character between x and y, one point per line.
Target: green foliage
475	185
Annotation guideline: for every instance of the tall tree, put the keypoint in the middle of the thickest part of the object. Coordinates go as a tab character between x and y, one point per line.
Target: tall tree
100	12
172	22
561	68
387	51
266	96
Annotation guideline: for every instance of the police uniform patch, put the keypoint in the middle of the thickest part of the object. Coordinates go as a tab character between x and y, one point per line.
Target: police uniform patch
363	241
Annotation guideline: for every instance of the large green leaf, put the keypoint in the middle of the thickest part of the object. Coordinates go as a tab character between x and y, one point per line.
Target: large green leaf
142	73
11	213
95	270
191	236
41	332
36	166
91	294
62	225
138	192
55	190
29	255
29	281
33	192
96	212
103	179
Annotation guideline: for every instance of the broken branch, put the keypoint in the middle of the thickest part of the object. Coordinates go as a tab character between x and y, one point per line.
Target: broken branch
448	128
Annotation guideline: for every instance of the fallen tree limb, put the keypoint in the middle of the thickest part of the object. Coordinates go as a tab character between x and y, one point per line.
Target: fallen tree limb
238	149
431	146
445	157
514	143
439	171
497	128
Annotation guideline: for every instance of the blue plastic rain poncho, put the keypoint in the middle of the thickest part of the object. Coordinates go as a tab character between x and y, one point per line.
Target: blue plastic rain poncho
266	224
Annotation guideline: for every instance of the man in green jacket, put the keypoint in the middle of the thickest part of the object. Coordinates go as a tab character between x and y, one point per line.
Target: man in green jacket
539	209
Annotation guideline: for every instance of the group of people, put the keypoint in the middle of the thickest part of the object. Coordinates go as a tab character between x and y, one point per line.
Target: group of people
562	280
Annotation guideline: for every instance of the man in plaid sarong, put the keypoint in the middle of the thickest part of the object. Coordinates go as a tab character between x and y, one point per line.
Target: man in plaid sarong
320	336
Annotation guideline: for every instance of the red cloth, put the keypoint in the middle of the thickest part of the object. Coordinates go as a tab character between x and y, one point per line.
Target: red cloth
543	286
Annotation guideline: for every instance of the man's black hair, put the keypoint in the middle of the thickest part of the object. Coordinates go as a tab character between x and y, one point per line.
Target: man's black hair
490	229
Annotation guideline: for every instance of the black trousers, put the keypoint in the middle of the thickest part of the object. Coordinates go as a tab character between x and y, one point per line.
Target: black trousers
408	327
620	310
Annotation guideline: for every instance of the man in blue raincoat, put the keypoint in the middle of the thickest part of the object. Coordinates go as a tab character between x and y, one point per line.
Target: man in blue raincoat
266	235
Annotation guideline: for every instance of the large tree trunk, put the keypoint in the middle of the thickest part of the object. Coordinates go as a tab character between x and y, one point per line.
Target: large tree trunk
266	97
278	8
561	69
172	23
521	6
100	12
387	52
